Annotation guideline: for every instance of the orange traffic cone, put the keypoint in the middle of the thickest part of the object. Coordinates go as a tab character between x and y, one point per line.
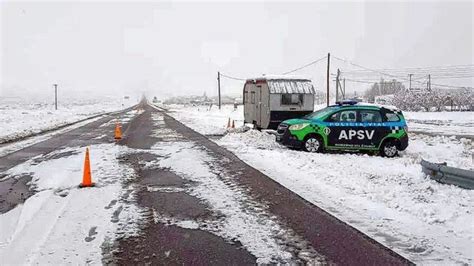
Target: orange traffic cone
87	177
233	124
228	123
118	131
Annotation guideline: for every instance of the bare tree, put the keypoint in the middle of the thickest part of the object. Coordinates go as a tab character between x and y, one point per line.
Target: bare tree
383	87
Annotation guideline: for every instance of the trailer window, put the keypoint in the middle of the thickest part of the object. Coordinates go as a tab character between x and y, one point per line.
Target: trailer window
252	97
292	99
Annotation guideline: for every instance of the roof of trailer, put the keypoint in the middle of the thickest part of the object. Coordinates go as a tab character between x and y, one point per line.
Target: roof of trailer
286	84
290	86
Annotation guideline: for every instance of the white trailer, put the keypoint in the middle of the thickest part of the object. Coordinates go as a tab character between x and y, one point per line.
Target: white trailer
270	100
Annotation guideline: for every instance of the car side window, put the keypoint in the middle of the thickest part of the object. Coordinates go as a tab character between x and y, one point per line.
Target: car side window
344	116
392	117
370	116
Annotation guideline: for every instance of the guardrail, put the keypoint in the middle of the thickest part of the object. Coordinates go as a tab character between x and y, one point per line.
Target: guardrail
448	175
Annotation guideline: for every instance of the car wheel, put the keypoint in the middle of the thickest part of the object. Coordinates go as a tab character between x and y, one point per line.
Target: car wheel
389	149
313	144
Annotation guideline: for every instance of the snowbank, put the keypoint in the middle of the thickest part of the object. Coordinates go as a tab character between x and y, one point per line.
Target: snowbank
388	199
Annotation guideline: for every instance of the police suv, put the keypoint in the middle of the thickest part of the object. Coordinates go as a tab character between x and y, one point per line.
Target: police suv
348	125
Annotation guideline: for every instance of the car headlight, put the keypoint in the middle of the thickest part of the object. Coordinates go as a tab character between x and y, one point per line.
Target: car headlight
298	126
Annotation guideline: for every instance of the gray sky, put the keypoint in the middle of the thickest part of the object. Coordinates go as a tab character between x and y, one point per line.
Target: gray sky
176	48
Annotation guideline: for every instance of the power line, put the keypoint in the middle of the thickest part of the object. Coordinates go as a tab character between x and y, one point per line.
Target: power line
307	65
230	77
361	81
430	68
288	72
394	76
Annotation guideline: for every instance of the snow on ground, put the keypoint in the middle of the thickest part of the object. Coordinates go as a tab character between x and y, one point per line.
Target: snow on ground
20	117
205	121
60	212
387	199
18	145
445	123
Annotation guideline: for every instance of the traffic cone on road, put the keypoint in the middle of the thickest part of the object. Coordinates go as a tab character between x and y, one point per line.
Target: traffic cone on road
233	124
87	177
228	123
118	132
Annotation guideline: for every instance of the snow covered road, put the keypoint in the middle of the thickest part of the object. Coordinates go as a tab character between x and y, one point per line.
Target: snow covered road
53	222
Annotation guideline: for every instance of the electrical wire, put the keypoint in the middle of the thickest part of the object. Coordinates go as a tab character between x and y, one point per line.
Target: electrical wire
305	66
394	76
230	77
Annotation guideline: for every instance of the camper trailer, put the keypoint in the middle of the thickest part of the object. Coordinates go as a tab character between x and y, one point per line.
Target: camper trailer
270	100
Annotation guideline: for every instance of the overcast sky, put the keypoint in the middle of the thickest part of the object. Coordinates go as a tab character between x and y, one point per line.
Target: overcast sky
171	48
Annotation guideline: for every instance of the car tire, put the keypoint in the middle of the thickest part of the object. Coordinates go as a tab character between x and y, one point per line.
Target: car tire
389	149
313	144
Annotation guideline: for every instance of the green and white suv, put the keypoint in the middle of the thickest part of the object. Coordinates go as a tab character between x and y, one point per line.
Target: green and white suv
347	125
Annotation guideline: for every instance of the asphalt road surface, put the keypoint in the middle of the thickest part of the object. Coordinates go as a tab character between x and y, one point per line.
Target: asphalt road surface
307	233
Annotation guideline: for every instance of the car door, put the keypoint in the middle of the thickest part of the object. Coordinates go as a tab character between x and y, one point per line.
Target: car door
374	129
343	129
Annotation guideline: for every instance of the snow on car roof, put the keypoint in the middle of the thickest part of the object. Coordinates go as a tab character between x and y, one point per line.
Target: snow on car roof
390	107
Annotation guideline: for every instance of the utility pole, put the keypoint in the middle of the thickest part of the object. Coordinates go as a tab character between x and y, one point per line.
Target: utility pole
337	85
55	96
219	88
429	82
344	88
409	76
327	80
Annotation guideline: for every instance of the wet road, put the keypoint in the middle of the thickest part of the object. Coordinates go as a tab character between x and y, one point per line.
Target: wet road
226	213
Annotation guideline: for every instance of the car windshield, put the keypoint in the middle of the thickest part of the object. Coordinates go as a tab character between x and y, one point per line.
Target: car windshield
319	113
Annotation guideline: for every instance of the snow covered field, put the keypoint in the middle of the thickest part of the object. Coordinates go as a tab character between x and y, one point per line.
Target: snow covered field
209	122
388	199
445	123
20	117
205	121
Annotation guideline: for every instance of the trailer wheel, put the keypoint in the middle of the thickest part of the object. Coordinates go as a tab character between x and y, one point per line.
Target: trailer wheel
313	144
256	127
